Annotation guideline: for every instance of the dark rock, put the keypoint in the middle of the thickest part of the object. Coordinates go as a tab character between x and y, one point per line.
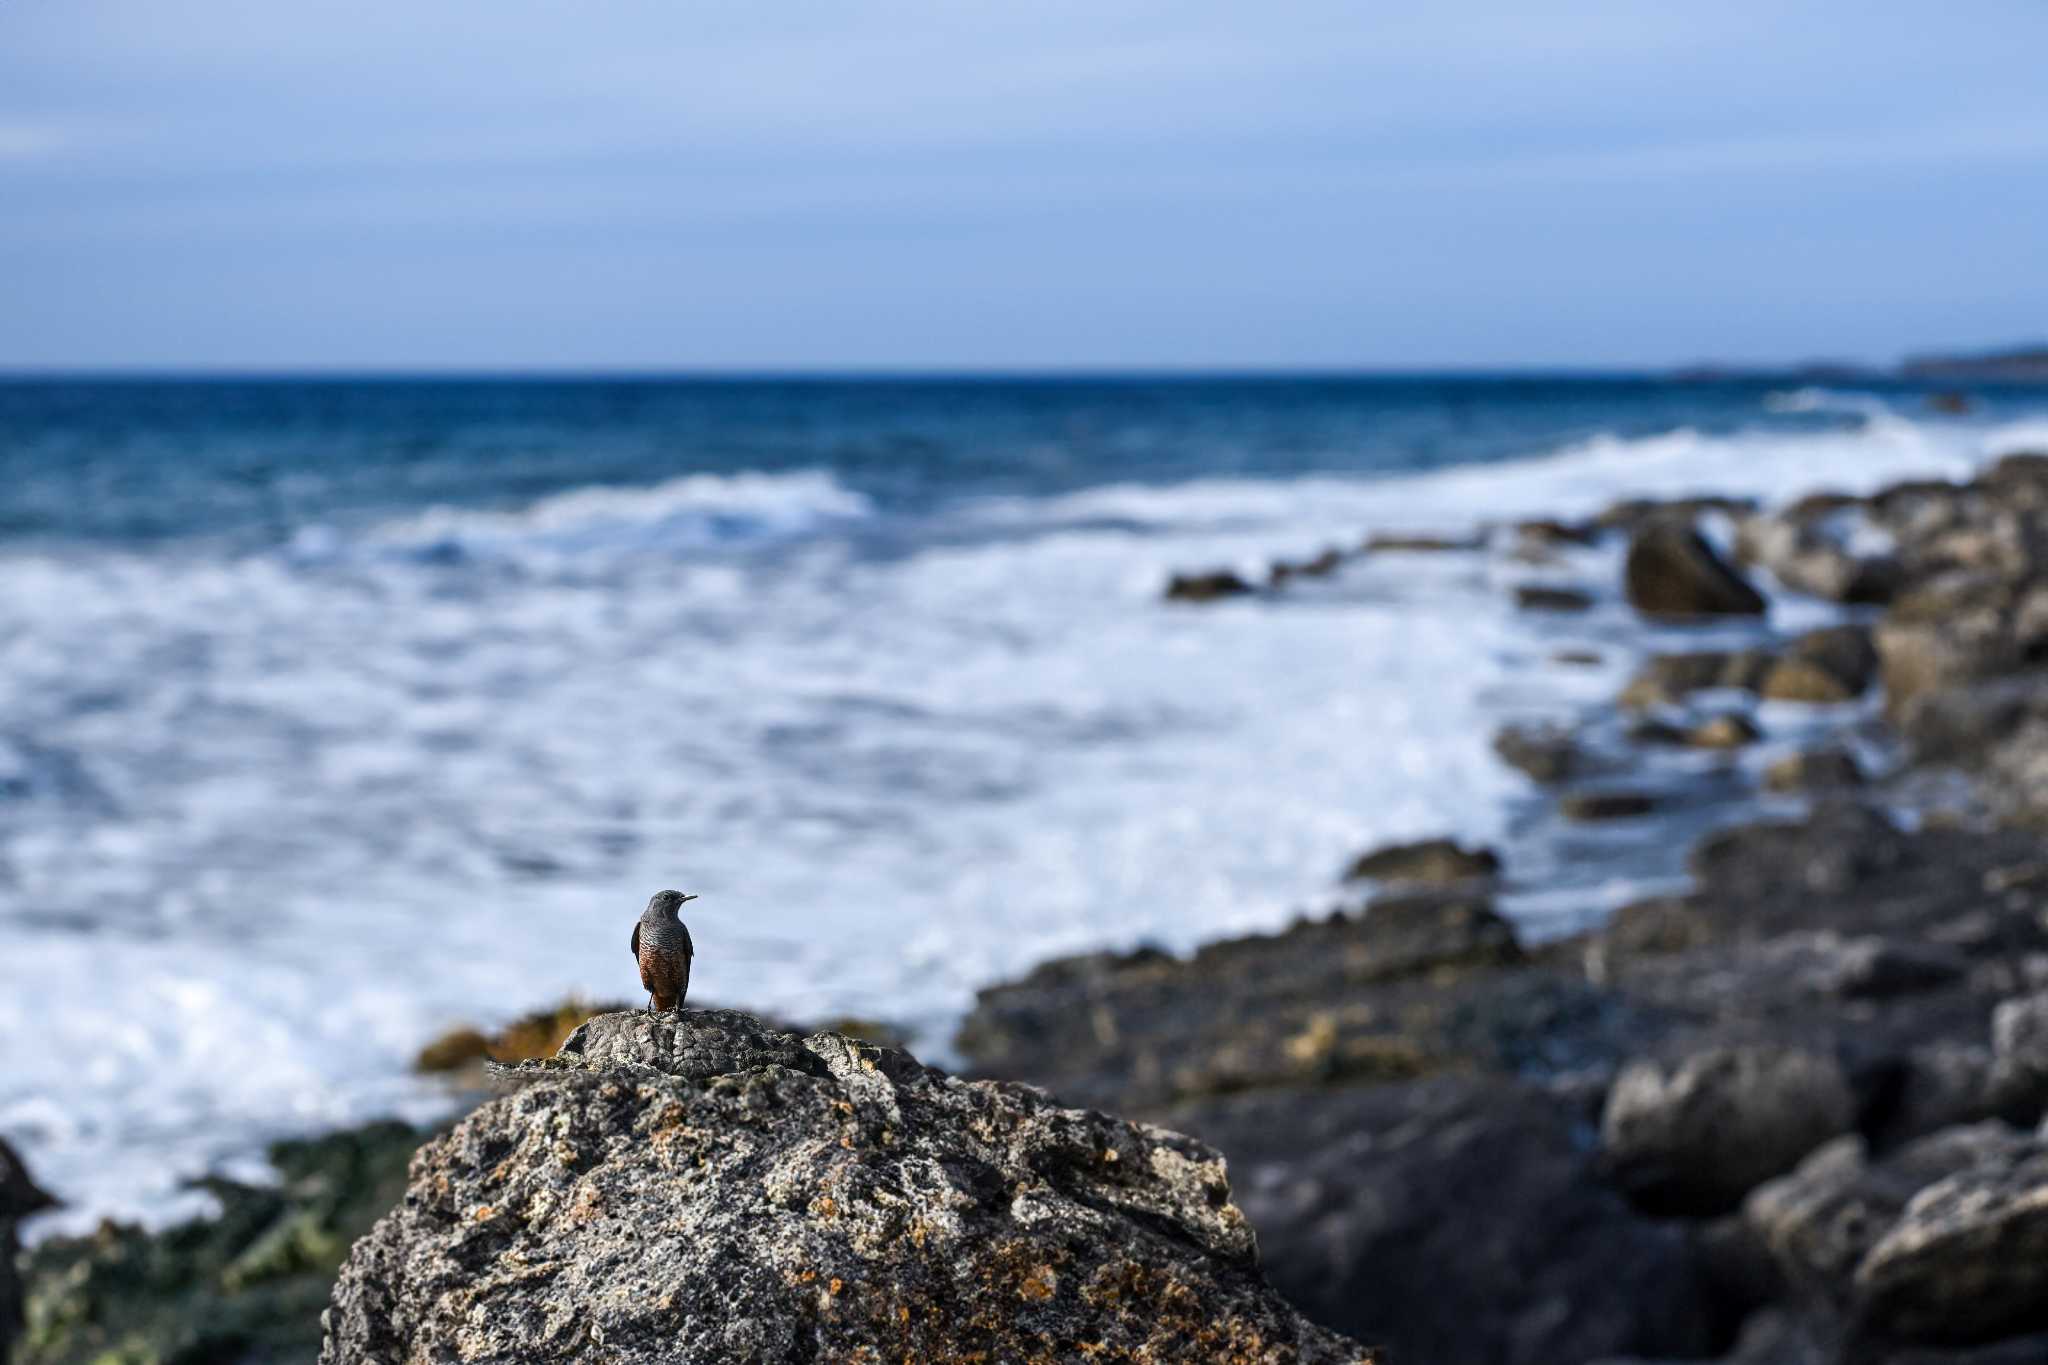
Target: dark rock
1630	514
1967	1260
1430	861
1320	566
2019	1047
1667	679
1550	532
1695	1137
1814	769
1729	730
1650	730
1577	658
1543	597
1455	1219
1672	571
20	1198
1206	587
854	1205
1606	805
1546	753
1949	631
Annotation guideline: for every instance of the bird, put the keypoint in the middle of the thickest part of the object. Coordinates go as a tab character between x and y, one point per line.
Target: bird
661	944
19	1197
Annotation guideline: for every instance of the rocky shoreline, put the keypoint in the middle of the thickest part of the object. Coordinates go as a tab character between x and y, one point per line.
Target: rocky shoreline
1793	1113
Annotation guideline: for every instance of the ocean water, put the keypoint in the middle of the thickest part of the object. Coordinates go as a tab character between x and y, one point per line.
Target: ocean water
335	713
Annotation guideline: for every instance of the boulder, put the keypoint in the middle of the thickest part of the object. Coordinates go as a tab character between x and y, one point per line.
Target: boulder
699	1187
1667	679
1967	1259
1429	861
1813	769
2019	1051
1672	571
1455	1219
1693	1137
1547	753
1206	587
1832	665
1605	805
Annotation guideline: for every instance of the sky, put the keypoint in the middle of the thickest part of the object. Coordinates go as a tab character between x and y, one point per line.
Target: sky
968	184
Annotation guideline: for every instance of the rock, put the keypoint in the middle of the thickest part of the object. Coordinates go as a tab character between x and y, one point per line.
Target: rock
1577	658
1455	1219
1693	1138
245	1286
1952	630
1383	542
1548	531
1547	753
1650	730
1672	571
1822	1219
699	1187
1967	1260
1812	769
1729	730
1667	679
1321	566
1605	805
1430	862
2019	1049
537	1034
1206	587
20	1198
1832	665
1543	597
1630	514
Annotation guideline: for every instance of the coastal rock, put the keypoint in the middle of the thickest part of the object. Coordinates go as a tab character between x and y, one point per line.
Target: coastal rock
20	1198
1832	665
1405	542
1605	805
1546	597
2019	1049
1967	1260
1814	769
1672	571
1206	587
1455	1219
1546	753
822	1200
1429	862
1694	1137
1729	730
1667	679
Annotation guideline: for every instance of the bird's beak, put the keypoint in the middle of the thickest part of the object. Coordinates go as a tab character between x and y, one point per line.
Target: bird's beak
691	898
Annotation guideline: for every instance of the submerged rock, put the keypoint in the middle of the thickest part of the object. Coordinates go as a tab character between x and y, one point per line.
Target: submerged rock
700	1187
1547	597
1547	753
1206	587
1672	571
1830	766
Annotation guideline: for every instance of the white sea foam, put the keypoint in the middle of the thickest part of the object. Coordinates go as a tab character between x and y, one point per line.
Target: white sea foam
278	818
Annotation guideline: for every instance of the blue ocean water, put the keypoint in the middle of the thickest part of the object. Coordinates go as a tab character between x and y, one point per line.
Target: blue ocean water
333	713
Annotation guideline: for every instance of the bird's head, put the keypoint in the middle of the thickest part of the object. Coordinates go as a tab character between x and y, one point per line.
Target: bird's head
668	902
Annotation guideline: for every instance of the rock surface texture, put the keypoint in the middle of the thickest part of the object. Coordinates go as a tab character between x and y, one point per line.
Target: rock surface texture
701	1187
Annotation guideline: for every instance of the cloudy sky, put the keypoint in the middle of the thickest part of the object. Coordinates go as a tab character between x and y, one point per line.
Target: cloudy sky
659	184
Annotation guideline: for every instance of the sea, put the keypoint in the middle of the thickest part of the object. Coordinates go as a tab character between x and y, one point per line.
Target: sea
336	712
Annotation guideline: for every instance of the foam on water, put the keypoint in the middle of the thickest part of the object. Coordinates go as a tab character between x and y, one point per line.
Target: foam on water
274	819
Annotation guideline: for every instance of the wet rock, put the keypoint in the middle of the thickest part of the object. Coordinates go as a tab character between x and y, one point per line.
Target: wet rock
246	1286
1429	862
823	1199
1832	665
536	1034
1386	542
1672	571
1206	587
1814	769
1667	679
1631	514
1694	1137
1454	1219
1967	1259
1319	566
1605	805
1544	597
2019	1046
1662	733
1547	753
1729	730
1550	532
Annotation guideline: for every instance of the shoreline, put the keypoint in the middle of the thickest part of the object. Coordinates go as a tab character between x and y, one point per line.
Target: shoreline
1946	696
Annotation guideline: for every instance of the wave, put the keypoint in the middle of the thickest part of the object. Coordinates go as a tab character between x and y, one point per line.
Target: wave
695	511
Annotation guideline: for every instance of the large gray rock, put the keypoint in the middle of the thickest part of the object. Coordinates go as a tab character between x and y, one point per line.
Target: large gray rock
705	1188
1672	571
1693	1138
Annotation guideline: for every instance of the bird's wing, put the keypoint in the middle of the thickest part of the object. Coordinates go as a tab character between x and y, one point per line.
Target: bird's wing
636	940
689	948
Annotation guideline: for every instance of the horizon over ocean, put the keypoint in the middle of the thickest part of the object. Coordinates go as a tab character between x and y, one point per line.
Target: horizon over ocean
337	710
